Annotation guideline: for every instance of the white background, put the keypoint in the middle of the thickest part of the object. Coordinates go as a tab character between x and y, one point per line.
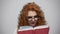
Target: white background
9	10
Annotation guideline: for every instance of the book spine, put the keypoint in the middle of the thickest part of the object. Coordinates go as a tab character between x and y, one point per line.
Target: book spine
33	32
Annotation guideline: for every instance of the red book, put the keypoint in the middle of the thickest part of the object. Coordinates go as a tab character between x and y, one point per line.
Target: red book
44	29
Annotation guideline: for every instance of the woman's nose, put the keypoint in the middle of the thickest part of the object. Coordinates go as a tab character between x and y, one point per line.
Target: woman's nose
33	19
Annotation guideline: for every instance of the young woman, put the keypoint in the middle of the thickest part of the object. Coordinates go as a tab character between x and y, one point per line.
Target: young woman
31	15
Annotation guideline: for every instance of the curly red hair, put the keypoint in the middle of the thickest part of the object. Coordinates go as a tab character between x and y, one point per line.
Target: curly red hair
23	15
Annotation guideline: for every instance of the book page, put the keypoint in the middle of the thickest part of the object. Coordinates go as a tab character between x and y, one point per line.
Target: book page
24	28
40	27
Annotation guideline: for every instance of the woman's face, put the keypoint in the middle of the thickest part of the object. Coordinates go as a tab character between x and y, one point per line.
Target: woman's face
32	18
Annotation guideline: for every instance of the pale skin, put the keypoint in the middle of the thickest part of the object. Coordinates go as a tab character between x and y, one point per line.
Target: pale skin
32	18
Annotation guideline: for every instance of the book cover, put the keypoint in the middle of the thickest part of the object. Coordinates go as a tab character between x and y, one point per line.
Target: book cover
44	29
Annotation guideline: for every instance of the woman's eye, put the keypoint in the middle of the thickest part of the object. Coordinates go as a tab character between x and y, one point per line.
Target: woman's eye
29	17
36	16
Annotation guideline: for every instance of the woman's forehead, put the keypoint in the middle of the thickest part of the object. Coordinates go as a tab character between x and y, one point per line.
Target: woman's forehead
32	13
